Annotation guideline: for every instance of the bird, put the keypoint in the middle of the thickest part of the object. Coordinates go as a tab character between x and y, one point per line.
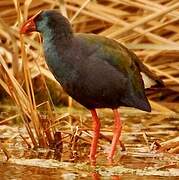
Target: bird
96	71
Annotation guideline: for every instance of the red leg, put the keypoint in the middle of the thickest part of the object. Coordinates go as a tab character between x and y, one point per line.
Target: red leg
96	129
117	133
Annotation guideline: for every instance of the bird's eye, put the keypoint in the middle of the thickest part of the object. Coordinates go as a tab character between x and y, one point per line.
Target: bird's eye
38	17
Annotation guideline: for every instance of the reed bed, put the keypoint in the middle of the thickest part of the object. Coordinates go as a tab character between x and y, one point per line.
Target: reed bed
149	28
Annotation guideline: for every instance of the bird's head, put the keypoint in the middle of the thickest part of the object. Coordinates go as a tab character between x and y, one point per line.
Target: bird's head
46	20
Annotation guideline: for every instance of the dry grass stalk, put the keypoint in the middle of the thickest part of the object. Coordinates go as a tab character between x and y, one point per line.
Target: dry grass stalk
2	146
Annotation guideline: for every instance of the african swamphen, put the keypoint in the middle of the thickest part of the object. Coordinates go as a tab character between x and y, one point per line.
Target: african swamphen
96	71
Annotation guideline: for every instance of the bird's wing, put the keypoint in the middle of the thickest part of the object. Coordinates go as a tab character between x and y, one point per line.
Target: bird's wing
121	58
117	56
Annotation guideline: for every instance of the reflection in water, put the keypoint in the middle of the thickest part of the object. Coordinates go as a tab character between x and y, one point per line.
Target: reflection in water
96	176
115	178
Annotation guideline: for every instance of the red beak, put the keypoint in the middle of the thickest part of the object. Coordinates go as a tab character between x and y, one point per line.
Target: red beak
29	25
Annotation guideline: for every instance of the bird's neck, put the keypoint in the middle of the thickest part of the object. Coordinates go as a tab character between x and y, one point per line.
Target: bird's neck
60	36
56	46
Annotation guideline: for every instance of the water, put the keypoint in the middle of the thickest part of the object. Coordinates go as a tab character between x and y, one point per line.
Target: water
8	171
140	160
